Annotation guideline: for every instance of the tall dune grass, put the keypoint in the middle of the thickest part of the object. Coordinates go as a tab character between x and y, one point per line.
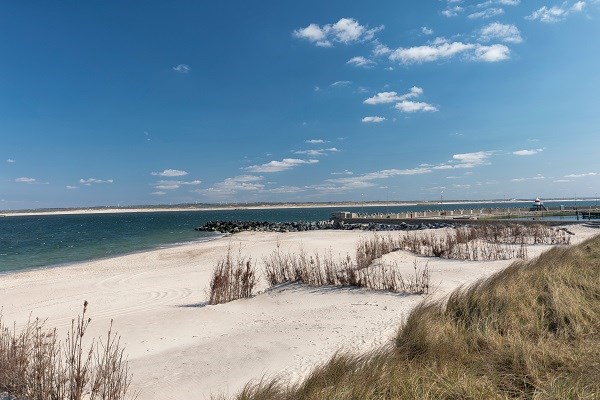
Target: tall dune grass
316	270
232	279
34	364
532	331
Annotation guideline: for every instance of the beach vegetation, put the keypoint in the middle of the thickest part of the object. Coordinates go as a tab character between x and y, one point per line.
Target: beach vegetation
232	279
35	364
531	331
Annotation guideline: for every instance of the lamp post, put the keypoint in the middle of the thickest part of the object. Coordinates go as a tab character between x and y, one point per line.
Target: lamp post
362	206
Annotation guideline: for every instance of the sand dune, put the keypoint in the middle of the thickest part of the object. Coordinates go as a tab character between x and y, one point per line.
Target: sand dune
181	348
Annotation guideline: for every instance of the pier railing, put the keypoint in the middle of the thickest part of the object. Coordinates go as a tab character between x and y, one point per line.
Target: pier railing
481	213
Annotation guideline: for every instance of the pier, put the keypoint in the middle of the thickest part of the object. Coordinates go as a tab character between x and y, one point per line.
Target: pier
465	215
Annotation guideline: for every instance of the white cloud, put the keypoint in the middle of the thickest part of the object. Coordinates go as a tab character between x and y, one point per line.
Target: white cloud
26	180
278	166
426	31
170	173
286	190
344	172
373	119
533	178
317	152
381	50
488	13
10	161
581	175
527	152
452	11
578	6
314	141
172	184
364	181
509	2
441	49
392	97
182	68
72	187
341	84
402	102
360	61
346	31
504	32
493	53
555	13
91	181
240	183
408	106
159	193
562	180
470	160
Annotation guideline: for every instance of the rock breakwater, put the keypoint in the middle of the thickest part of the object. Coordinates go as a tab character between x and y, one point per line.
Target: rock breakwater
256	226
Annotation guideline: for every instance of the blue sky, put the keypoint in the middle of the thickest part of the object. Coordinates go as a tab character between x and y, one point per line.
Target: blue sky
122	103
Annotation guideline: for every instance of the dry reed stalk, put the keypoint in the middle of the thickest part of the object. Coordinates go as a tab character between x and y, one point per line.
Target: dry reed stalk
34	364
232	279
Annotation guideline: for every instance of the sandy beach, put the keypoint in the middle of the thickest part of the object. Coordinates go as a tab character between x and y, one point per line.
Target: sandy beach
180	348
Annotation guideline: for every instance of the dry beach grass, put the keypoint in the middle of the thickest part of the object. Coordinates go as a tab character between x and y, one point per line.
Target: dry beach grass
531	331
34	364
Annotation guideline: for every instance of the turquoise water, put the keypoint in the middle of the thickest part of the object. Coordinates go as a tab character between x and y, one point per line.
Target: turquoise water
40	241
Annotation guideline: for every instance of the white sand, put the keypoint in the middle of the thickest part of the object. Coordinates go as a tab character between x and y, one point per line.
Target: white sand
180	348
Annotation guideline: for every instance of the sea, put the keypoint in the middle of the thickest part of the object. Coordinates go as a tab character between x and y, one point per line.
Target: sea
54	240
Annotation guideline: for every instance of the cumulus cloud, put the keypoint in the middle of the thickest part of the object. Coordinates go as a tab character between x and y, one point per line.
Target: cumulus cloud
426	31
361	61
392	97
344	172
173	184
317	152
441	49
488	13
365	180
26	180
10	161
530	152
159	193
402	101
452	11
286	190
581	175
408	106
374	119
315	141
92	181
555	13
182	68
381	50
346	31
533	178
278	166
465	160
504	32
70	187
493	53
170	173
240	183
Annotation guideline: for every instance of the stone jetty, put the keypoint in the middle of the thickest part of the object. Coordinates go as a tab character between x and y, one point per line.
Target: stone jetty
241	226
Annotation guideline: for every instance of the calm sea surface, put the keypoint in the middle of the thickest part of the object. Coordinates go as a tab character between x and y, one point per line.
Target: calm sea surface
39	241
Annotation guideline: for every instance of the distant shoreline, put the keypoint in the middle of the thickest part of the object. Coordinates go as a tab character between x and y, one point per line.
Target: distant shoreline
117	210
